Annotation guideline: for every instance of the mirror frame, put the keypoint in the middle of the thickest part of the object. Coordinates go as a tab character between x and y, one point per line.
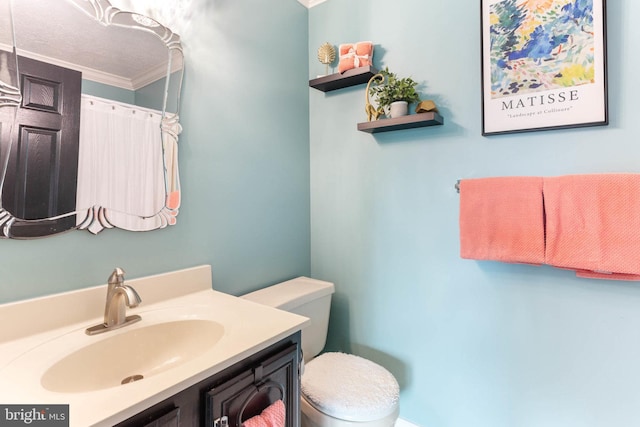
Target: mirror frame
96	219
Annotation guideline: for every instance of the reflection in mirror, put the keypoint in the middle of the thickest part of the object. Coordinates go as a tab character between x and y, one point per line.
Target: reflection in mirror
123	171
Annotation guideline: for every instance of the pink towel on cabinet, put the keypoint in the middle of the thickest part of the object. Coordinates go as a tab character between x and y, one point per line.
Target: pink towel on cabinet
593	224
502	219
272	416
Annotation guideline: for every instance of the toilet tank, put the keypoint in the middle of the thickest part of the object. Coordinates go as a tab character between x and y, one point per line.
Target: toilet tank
304	296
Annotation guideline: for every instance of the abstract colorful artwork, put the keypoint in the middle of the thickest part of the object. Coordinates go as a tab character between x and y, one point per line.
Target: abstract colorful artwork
541	44
540	59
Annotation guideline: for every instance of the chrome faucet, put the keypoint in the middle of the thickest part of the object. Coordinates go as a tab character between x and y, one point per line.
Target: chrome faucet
119	297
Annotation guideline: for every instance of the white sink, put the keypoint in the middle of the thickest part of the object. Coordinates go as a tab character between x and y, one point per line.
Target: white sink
132	355
188	333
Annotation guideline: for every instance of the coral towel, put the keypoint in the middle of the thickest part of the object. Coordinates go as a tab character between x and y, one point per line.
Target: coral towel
593	224
272	416
502	219
354	55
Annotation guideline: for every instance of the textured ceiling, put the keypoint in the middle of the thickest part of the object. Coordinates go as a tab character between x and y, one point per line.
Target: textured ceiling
58	32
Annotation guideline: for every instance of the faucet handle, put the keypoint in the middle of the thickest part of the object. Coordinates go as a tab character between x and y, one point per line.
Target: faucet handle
117	276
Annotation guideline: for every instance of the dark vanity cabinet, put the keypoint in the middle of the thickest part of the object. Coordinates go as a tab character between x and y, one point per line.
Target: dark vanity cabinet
232	396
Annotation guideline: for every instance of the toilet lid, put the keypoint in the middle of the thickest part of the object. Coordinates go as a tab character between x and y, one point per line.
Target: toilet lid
349	387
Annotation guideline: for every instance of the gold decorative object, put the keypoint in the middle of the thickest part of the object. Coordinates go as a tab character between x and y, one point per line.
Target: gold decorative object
426	106
326	55
372	112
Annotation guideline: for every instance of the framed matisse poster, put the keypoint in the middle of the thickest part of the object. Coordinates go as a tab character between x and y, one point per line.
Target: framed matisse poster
543	65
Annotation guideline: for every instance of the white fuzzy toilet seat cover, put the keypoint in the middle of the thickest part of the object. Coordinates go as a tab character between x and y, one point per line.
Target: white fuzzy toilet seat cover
349	387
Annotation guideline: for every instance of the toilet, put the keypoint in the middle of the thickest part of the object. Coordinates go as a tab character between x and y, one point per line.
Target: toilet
337	389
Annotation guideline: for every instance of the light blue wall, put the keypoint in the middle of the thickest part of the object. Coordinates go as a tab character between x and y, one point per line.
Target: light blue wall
152	95
472	343
149	96
244	162
109	92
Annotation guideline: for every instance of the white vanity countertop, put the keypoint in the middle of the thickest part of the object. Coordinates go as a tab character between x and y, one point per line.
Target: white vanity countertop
37	333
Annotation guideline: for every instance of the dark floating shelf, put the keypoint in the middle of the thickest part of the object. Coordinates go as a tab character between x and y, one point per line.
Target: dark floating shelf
351	77
404	122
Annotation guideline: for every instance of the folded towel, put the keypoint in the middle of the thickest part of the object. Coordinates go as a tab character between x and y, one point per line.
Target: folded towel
272	416
173	200
502	219
593	224
355	55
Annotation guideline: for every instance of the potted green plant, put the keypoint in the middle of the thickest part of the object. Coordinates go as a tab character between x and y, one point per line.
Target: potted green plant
395	94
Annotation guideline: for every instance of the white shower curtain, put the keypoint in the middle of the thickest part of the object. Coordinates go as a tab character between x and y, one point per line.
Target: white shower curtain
120	164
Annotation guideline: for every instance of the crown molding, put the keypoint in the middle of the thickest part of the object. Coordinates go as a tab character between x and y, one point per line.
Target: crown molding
310	3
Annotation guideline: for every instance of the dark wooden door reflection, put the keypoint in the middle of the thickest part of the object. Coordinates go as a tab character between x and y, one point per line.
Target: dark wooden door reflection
41	174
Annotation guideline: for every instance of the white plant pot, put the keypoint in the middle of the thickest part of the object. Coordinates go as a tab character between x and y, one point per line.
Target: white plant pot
398	109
